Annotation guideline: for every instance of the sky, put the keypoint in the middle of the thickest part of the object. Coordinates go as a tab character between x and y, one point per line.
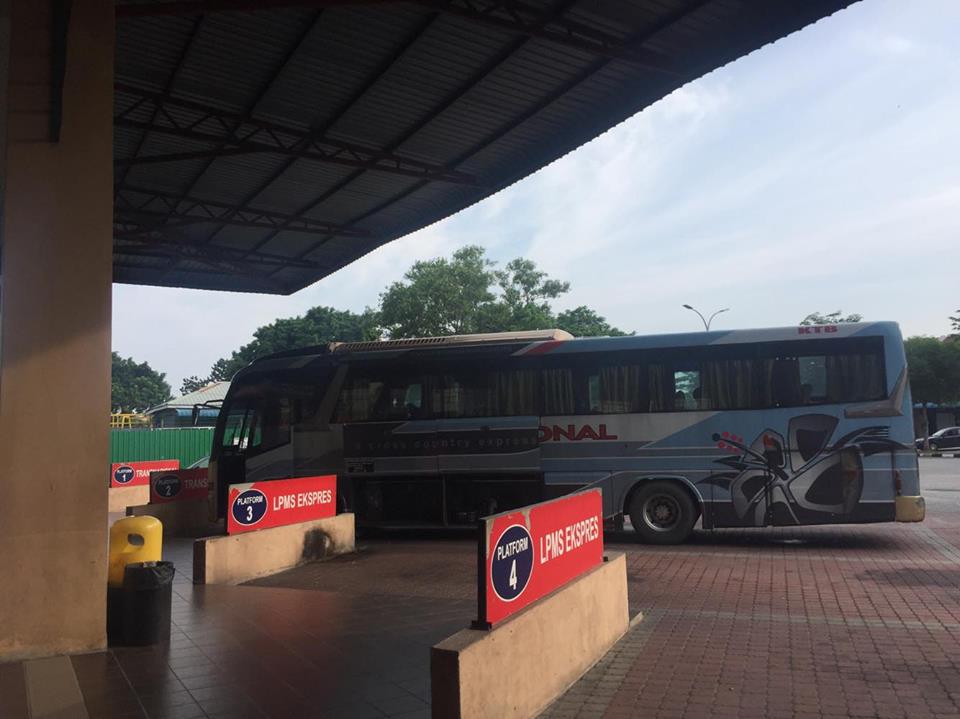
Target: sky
819	173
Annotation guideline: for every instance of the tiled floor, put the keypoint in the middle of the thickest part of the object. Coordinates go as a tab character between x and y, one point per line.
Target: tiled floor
789	624
816	622
274	651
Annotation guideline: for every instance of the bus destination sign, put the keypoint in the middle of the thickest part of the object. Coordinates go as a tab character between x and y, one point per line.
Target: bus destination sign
261	505
529	552
133	474
179	485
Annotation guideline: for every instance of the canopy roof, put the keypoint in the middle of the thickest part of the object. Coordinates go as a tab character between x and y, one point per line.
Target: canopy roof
261	150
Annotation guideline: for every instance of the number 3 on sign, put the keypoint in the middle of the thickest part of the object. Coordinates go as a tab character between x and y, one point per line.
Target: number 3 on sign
249	513
513	575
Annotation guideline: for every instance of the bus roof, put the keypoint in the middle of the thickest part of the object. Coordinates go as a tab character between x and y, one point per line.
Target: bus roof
541	342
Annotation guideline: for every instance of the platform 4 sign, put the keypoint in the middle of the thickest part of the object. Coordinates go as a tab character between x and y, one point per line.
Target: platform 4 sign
132	474
178	485
527	553
262	505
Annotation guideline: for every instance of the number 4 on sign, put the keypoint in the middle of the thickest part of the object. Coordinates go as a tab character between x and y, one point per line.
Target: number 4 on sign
513	575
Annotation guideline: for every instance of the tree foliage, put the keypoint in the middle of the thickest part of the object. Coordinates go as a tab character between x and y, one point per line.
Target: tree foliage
440	296
584	322
955	322
318	326
135	386
468	294
464	294
832	318
934	367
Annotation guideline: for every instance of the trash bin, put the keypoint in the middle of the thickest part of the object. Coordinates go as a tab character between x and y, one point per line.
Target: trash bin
138	613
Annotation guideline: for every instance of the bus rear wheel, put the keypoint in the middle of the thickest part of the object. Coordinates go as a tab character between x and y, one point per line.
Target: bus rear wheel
662	513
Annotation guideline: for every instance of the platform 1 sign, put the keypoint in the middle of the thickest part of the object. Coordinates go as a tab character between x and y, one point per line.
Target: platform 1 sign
261	505
178	485
529	552
133	474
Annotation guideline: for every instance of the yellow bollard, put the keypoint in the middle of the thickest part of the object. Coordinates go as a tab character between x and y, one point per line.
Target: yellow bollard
133	539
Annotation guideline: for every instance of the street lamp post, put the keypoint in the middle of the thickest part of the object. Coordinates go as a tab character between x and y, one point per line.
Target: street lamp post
706	321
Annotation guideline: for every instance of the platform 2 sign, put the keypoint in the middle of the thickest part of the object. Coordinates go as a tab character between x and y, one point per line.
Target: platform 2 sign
262	505
133	474
527	553
178	485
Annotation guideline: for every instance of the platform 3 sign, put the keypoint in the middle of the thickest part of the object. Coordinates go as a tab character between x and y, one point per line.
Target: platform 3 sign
527	553
178	485
132	474
262	505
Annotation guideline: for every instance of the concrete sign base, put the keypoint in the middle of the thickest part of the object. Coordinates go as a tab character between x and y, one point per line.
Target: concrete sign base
119	498
232	559
516	669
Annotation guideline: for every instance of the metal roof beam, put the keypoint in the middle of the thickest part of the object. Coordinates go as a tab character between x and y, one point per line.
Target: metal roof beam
166	248
512	16
530	21
176	8
192	209
235	134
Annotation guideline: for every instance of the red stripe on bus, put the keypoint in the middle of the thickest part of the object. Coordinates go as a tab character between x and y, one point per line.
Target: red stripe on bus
540	348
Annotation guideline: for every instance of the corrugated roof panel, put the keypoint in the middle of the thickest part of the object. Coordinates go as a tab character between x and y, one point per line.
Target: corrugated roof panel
443	89
301	184
342	54
237	53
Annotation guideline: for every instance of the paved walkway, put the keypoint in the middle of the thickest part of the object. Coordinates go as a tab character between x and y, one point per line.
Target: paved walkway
789	624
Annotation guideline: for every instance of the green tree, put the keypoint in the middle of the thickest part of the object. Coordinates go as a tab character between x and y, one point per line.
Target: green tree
833	318
955	322
583	322
192	384
136	386
468	293
440	296
522	302
934	367
318	326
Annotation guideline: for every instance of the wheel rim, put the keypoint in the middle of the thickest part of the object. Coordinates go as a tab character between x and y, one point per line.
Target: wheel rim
661	512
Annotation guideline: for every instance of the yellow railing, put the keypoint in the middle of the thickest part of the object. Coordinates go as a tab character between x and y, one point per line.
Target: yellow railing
127	420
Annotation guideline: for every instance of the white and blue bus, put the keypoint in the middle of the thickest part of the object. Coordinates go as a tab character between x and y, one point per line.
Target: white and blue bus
743	428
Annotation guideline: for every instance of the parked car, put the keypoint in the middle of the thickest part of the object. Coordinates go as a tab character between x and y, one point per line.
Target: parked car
946	438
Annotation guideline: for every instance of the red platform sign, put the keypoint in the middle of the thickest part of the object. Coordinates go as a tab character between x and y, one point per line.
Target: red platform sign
132	474
529	552
262	505
178	485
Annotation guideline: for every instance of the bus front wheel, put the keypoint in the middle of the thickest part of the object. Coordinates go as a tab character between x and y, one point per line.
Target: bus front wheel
662	513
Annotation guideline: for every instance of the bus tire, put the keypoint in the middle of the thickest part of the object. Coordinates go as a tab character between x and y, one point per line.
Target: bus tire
662	513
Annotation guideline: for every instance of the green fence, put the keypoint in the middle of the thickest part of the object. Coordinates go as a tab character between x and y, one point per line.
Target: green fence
187	444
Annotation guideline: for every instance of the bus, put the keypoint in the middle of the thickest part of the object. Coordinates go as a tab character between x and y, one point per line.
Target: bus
741	428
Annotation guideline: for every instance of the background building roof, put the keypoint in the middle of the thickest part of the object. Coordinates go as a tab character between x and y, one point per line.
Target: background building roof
213	392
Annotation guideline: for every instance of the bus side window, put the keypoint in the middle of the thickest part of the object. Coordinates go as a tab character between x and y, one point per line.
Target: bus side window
558	391
357	400
687	389
659	387
786	382
813	379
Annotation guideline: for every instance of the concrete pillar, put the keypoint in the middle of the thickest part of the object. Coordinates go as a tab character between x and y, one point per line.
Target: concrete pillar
55	332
